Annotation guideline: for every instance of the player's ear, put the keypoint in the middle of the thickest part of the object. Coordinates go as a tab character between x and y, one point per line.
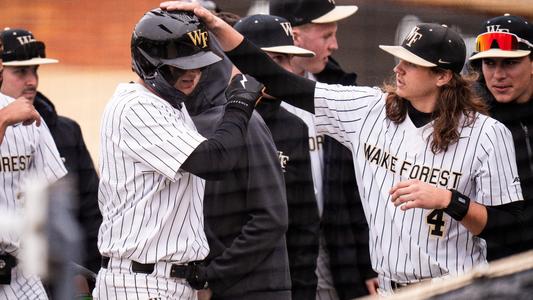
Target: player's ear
297	34
443	77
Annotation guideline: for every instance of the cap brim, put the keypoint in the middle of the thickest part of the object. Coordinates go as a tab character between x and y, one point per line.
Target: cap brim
30	62
338	13
294	50
500	53
196	61
404	54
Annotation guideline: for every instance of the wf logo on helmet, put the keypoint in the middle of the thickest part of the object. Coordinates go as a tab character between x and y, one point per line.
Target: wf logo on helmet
199	38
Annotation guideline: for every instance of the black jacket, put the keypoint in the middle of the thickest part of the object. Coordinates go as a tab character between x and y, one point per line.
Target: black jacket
246	213
291	137
69	141
518	118
343	221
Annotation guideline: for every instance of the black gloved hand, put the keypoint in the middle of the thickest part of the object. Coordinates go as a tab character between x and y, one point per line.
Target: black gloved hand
197	276
243	93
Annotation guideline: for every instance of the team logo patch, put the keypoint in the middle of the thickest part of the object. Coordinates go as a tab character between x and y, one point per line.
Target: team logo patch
413	36
287	28
199	38
25	39
283	160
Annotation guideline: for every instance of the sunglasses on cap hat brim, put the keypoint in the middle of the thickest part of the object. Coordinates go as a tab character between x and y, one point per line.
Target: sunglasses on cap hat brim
501	44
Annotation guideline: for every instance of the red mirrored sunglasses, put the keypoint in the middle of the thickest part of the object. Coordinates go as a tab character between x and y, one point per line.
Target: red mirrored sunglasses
501	40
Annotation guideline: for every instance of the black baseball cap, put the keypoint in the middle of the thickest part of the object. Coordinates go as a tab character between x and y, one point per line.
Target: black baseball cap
22	49
504	36
431	45
300	12
271	34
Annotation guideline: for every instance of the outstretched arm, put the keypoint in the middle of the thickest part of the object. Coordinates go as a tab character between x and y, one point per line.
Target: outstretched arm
18	111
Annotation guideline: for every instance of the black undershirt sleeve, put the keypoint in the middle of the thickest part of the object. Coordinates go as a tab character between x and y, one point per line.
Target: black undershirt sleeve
220	153
291	88
500	219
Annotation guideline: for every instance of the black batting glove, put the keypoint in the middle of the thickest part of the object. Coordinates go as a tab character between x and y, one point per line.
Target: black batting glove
243	93
197	277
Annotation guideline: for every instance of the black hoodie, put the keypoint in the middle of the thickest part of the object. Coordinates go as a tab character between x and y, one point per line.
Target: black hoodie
291	137
69	141
245	213
518	118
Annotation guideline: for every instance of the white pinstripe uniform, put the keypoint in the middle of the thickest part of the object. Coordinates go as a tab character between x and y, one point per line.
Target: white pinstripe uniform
152	211
419	243
26	151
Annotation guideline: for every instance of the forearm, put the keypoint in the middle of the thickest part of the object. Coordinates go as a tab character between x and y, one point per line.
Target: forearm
476	218
228	37
220	153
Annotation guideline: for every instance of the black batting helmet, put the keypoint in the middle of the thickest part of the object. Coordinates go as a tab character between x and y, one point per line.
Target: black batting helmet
169	38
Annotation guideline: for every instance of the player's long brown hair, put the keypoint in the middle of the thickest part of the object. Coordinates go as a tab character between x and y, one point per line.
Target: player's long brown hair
456	98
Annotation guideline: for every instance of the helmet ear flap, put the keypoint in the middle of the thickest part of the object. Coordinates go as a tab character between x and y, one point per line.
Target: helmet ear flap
141	63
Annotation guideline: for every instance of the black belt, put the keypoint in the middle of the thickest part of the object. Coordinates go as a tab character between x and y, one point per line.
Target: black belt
176	271
397	285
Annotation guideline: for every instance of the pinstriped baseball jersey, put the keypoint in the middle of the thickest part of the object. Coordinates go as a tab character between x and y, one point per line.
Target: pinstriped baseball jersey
418	243
152	211
26	151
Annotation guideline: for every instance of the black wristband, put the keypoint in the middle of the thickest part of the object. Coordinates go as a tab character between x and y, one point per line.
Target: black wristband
245	106
458	207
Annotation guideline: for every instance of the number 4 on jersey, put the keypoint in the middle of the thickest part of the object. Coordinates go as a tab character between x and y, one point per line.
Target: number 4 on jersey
435	219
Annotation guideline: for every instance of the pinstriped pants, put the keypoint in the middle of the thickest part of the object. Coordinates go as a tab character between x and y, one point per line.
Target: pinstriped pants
22	287
119	282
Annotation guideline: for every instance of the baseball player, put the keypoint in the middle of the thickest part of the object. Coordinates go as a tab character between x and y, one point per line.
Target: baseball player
428	162
152	157
25	151
504	58
340	276
23	55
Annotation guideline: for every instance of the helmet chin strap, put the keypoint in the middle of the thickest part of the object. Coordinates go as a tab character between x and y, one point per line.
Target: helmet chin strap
163	89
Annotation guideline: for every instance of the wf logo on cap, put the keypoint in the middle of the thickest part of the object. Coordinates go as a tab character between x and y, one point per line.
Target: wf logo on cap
332	2
287	28
496	28
26	39
413	36
199	38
